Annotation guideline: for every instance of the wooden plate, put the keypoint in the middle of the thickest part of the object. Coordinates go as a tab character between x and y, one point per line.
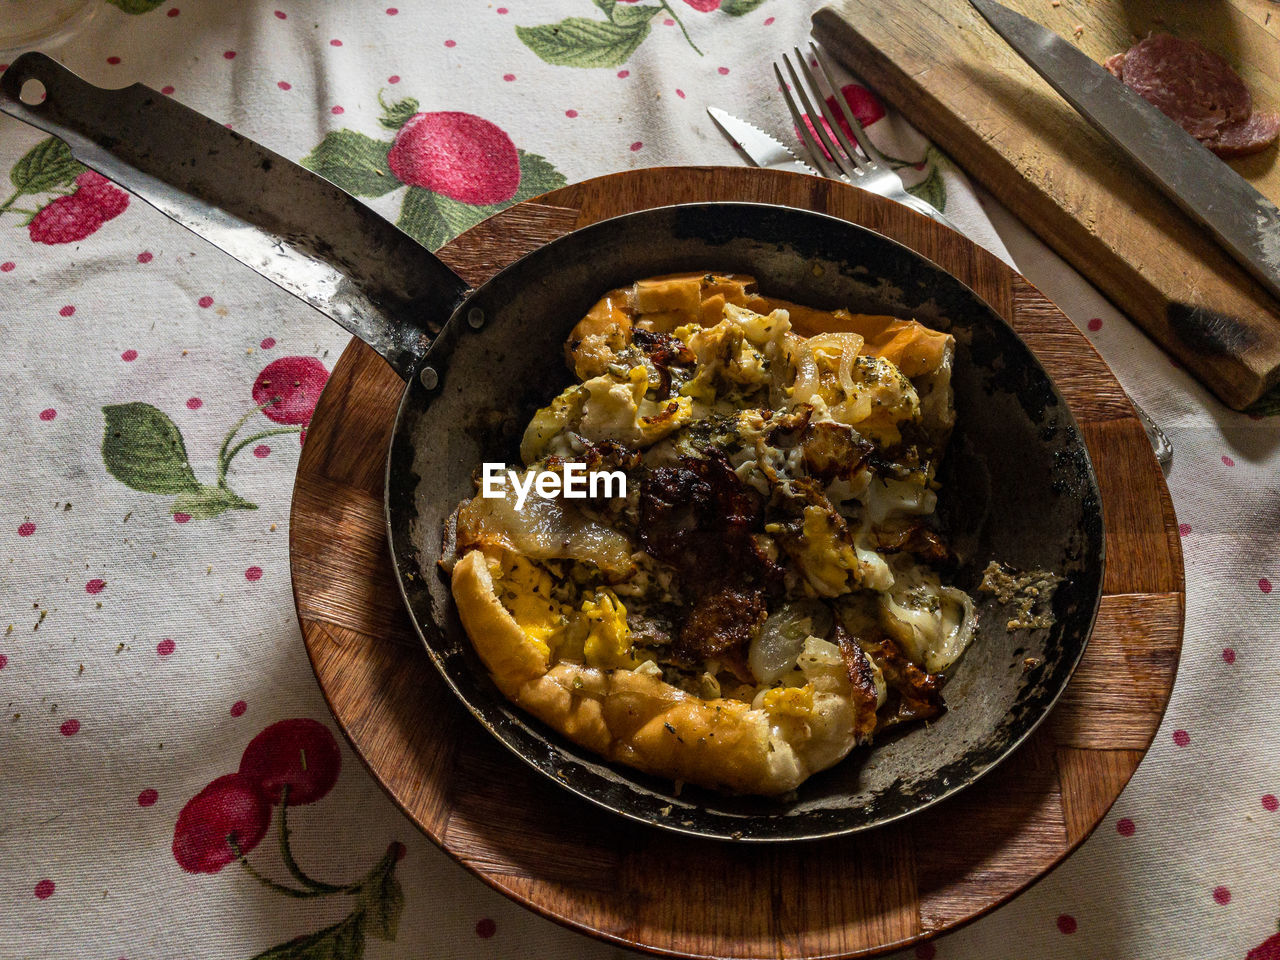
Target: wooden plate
641	887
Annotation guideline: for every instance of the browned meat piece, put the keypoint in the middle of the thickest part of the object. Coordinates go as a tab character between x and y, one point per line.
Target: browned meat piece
833	450
722	621
916	539
861	679
700	518
1188	83
1249	136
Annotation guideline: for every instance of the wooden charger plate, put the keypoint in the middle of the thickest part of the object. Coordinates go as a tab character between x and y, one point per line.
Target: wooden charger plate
642	887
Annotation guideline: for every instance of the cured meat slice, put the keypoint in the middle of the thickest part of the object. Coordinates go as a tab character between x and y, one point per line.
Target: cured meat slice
1187	83
1115	65
1248	136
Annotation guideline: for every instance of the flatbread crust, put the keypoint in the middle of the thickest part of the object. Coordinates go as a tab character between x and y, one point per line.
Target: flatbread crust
646	723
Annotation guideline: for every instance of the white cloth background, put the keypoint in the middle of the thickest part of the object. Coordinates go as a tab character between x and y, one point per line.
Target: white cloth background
189	648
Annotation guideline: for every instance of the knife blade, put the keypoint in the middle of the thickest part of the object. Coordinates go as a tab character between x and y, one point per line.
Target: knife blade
1243	221
762	149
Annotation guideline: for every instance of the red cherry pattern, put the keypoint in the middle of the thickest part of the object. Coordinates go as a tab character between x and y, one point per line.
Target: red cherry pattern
73	217
231	807
299	754
460	155
289	388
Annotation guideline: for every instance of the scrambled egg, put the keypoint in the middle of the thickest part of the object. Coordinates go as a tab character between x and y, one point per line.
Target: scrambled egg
525	590
608	640
618	410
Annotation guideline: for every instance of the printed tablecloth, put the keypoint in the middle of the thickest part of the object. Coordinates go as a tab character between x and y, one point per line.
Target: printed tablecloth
156	690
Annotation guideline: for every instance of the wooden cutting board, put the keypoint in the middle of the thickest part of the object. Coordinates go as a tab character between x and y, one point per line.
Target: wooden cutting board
641	887
949	73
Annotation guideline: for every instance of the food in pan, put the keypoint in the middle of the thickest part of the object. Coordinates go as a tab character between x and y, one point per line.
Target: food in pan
1199	90
770	592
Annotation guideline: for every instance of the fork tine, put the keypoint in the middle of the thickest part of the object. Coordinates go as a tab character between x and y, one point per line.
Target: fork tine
836	130
837	158
859	132
806	138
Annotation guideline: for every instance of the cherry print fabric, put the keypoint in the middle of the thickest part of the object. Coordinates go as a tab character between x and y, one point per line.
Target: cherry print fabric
171	783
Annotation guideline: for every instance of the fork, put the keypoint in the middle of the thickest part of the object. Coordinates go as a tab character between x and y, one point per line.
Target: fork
868	169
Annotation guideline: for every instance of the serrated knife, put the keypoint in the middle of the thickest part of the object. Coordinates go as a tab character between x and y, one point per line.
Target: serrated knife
763	150
1243	221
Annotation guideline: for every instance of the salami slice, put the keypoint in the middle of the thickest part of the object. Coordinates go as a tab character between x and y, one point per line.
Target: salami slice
1246	136
1188	83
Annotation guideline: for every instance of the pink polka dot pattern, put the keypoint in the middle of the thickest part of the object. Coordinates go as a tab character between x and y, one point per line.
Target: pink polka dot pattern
284	85
49	414
508	77
253	573
1270	803
26	529
769	22
1095	324
1181	738
1184	529
485	928
392	11
1066	923
114	61
261	450
4	661
335	110
67	311
165	647
668	22
194	403
1125	827
636	146
146	256
1228	655
1264	585
181	518
723	71
205	302
95	586
129	356
281	15
1221	895
173	11
451	43
7	266
167	91
623	74
267	343
679	93
1227	461
502	10
335	43
571	114
229	55
238	708
147	797
69	728
393	79
44	889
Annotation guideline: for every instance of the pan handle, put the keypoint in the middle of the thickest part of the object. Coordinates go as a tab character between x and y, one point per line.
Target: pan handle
282	221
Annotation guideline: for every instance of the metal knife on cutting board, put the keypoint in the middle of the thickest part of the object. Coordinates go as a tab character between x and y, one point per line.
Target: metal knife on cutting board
1243	221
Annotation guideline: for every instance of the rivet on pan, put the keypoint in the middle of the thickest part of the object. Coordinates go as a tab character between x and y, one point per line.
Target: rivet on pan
475	317
430	379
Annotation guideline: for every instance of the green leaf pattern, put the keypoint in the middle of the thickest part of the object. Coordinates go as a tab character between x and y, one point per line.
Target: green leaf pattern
354	162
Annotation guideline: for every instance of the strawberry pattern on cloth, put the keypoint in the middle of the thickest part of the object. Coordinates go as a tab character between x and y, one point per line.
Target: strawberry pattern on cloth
172	785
